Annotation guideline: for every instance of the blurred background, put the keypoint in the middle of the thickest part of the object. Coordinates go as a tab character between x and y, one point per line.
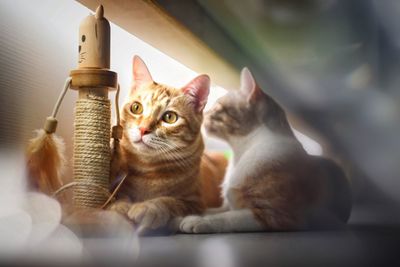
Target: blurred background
332	64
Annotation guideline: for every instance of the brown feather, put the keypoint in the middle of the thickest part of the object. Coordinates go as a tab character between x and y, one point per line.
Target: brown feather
45	162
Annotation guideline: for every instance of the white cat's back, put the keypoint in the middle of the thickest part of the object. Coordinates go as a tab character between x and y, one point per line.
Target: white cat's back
252	153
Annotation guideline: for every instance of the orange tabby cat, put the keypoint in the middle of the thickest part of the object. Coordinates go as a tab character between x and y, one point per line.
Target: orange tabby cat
161	151
212	172
271	183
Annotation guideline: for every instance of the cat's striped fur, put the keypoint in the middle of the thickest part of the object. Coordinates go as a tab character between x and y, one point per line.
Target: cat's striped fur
162	160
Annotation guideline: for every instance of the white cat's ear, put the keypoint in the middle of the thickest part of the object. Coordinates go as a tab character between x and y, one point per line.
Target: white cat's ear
248	85
198	90
141	74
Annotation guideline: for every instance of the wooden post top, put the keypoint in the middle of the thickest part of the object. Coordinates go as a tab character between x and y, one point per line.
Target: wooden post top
94	54
94	41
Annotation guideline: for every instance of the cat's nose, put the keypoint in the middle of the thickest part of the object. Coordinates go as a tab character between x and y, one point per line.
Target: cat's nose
80	49
144	131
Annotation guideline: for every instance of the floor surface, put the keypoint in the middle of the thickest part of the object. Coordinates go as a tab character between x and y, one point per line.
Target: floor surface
357	246
365	242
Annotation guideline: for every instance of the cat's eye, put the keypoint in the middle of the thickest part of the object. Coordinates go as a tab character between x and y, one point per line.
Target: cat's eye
137	108
83	38
170	117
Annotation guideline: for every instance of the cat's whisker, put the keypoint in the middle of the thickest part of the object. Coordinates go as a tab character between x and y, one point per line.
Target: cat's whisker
164	143
167	154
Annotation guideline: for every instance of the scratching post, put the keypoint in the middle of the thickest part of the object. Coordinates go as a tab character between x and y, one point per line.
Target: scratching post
92	130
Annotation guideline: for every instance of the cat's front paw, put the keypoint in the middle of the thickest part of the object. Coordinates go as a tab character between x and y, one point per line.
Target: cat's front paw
196	225
121	206
148	215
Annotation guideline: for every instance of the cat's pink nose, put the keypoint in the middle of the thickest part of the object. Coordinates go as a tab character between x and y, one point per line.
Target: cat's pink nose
144	130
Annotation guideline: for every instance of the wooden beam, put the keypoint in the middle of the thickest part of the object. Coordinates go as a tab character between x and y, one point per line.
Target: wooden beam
147	21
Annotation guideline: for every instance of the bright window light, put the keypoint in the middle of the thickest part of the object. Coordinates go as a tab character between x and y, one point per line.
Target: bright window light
311	146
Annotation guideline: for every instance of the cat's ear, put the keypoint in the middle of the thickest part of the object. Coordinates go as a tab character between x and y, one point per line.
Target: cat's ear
141	74
198	90
249	86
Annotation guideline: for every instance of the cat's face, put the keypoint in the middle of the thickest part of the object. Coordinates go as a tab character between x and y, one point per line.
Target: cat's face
236	113
230	116
157	118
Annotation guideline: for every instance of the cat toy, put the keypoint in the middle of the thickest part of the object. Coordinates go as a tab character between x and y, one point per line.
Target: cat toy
92	127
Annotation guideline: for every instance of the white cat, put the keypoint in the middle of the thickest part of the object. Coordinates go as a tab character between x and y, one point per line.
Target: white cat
271	183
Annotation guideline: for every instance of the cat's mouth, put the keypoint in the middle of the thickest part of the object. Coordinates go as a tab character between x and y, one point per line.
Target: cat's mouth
82	57
209	127
142	144
213	129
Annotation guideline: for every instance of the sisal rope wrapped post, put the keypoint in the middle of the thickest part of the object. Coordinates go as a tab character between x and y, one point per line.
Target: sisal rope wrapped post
93	80
91	151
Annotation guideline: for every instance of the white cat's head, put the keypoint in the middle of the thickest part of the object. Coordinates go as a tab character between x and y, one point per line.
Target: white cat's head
239	112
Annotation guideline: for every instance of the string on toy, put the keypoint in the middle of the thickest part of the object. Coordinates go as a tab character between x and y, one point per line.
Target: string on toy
72	184
61	97
50	125
111	197
117	134
117	105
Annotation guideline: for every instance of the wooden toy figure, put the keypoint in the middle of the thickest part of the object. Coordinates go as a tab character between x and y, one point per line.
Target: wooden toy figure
91	155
